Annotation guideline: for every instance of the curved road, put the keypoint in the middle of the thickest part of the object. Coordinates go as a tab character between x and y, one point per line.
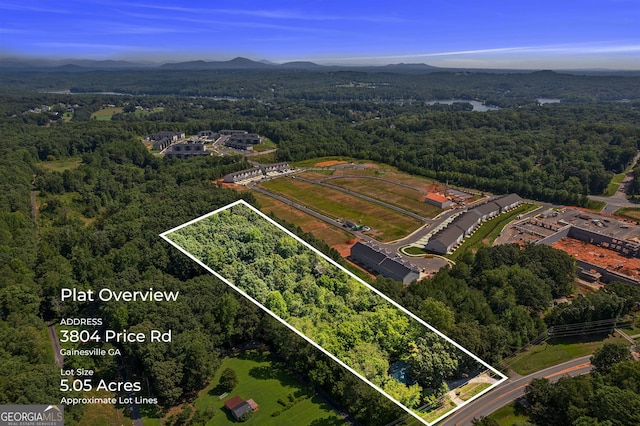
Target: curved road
619	199
513	389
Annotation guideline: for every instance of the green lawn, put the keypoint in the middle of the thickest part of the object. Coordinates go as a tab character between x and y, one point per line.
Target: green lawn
415	251
262	379
62	164
615	184
266	145
490	230
632	213
105	114
507	416
557	351
264	158
470	390
595	205
611	189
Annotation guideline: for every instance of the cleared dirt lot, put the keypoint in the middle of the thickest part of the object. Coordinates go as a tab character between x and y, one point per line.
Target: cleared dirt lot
335	237
600	256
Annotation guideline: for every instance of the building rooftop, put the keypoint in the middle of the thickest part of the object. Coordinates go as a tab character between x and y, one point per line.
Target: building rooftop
507	200
466	220
233	402
448	235
487	208
436	197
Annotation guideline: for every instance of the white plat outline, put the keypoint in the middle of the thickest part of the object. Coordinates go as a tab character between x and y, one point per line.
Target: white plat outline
165	234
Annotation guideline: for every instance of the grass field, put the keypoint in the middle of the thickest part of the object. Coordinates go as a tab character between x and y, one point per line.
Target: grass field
615	183
62	164
313	161
105	114
386	224
375	169
632	213
595	205
316	174
397	195
557	351
332	235
264	158
265	381
265	146
631	330
490	230
142	113
447	406
469	390
507	416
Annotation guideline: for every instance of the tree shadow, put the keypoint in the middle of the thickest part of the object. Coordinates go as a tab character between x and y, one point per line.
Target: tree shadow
265	373
329	421
218	390
228	414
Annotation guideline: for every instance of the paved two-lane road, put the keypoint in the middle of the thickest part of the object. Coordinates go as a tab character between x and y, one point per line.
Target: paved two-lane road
513	389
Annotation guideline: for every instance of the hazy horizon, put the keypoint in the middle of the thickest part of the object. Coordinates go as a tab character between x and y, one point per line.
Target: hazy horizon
566	34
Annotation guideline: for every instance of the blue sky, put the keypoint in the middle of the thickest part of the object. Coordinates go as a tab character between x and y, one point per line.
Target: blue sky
530	34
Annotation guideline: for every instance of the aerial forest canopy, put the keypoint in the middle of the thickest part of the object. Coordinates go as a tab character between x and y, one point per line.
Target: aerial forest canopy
102	198
319	300
558	152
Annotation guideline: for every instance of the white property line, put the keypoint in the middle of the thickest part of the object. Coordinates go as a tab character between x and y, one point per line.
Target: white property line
165	234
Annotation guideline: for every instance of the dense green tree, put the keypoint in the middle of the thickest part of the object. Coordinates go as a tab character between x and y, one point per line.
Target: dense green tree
228	380
609	354
431	361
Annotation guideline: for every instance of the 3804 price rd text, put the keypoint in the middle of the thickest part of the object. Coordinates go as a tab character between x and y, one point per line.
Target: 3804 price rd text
112	336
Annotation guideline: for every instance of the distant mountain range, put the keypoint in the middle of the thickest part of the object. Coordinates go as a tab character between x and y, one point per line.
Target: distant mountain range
239	63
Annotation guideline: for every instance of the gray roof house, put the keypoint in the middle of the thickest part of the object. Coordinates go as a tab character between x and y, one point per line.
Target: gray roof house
467	222
382	262
508	202
445	240
185	150
487	210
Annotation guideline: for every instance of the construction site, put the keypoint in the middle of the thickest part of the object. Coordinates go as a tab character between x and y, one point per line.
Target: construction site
606	247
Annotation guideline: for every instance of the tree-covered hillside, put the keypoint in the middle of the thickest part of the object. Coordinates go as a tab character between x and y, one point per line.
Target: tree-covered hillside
102	199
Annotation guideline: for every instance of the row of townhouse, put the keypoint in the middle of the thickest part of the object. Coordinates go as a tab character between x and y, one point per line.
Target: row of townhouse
162	140
259	171
466	224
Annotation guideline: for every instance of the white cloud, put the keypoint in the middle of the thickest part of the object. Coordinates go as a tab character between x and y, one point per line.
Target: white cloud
566	52
266	14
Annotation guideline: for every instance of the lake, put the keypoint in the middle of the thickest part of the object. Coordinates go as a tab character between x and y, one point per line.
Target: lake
477	106
543	101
